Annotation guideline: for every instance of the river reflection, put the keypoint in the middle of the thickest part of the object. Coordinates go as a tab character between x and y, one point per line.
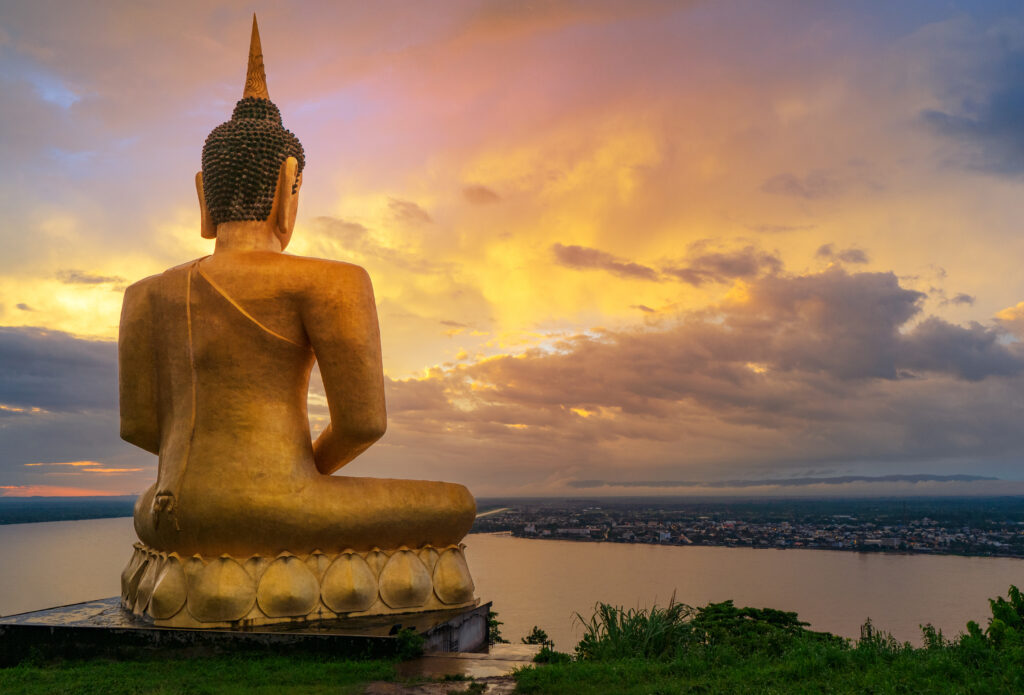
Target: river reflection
545	583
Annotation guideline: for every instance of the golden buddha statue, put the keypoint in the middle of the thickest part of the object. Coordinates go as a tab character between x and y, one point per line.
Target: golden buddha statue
245	524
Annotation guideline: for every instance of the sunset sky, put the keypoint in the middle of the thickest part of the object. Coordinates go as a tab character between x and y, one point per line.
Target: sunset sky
617	247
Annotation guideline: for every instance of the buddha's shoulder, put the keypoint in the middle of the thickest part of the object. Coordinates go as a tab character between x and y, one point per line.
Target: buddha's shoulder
146	286
153	283
316	271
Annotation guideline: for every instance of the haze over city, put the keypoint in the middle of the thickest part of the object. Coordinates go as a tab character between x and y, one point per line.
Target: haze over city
617	248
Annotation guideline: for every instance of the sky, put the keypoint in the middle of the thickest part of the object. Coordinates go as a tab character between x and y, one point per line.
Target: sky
617	247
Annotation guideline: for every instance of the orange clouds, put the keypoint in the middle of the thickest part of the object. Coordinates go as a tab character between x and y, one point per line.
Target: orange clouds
56	491
1013	318
15	409
805	368
606	239
82	467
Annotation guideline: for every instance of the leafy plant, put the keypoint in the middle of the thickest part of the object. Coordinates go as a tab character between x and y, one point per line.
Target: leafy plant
538	636
878	642
410	644
613	632
494	629
932	637
1005	627
547	655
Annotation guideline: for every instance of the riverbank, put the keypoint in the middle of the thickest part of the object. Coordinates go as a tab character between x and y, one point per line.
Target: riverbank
964	527
865	549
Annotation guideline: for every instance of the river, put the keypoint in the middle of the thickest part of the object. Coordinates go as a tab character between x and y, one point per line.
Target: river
545	583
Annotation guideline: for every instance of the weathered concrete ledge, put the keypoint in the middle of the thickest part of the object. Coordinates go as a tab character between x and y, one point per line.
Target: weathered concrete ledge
103	629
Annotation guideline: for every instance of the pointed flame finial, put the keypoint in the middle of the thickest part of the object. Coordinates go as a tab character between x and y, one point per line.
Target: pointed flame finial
256	77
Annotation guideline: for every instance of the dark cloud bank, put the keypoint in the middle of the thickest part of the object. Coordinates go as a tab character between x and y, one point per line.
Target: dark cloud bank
702	265
829	252
782	482
834	368
81	277
583	257
816	185
54	371
987	129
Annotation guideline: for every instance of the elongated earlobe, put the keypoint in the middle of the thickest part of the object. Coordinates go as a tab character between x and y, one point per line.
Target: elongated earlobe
207	228
287	202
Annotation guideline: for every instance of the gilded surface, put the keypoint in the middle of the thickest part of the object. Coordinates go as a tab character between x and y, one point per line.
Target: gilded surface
255	75
246	517
228	591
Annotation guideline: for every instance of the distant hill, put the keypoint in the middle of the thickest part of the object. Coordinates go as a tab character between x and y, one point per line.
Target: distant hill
25	510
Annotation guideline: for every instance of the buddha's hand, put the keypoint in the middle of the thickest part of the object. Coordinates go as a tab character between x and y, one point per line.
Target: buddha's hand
322	450
335	447
164	502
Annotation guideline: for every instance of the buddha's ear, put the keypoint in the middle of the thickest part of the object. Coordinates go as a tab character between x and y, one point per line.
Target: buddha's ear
287	203
207	228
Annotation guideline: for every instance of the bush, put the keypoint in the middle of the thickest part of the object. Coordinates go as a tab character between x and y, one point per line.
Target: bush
613	632
494	629
1006	626
410	644
721	648
933	638
547	655
538	636
617	633
751	629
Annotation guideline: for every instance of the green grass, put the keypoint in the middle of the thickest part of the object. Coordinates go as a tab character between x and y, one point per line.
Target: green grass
256	675
807	668
724	649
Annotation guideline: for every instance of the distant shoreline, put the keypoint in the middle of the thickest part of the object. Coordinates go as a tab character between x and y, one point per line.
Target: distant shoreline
32	510
863	551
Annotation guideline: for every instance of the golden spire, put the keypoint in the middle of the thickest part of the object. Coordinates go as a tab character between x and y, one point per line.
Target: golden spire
255	78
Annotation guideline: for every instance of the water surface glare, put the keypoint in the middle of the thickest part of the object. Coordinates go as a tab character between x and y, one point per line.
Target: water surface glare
545	583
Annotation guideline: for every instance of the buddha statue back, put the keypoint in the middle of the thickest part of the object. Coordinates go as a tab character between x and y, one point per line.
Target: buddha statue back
246	523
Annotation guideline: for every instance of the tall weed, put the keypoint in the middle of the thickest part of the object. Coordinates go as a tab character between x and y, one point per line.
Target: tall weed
614	632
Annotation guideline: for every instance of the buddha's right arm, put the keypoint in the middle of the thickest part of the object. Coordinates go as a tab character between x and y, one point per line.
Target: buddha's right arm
341	322
136	372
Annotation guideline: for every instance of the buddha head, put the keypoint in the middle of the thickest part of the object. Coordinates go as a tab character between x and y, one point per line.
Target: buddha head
252	165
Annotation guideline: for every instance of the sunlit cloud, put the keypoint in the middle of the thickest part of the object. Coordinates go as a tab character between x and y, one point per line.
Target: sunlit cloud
4	408
609	241
82	468
56	491
81	277
1013	319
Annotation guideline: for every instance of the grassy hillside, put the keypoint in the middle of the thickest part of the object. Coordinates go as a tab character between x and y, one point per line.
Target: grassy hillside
724	649
241	675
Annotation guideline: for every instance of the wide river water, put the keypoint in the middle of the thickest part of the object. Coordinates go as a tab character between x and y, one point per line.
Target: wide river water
545	583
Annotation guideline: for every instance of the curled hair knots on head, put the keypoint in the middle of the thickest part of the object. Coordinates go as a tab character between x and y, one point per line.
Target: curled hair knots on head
242	159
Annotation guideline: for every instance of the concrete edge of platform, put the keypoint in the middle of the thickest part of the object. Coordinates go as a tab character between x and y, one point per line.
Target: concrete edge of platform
19	640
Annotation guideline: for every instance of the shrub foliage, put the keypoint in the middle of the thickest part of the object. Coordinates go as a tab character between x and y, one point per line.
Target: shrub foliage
724	648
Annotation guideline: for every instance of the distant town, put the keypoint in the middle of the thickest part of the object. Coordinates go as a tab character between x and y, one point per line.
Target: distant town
951	526
957	526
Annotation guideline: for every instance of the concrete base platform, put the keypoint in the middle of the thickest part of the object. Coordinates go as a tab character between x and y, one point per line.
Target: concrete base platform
103	629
